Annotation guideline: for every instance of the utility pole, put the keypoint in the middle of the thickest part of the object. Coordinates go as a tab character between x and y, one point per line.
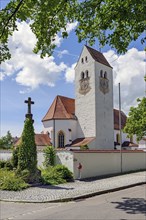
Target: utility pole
120	126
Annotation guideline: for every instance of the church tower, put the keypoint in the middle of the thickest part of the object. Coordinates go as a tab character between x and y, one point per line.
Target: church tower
94	99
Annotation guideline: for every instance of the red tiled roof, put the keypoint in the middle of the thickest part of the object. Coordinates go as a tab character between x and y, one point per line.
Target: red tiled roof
61	108
82	141
64	108
40	140
97	56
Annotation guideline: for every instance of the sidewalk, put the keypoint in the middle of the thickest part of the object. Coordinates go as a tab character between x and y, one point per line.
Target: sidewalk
74	190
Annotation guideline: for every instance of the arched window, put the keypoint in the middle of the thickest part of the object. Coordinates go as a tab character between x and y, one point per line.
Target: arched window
60	139
105	75
87	74
82	60
101	73
118	138
82	75
86	59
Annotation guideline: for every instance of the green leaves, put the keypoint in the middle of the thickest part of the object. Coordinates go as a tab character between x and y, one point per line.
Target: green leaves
112	22
136	122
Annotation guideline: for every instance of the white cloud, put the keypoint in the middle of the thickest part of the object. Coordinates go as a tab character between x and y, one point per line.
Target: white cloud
70	73
71	26
28	68
61	53
128	70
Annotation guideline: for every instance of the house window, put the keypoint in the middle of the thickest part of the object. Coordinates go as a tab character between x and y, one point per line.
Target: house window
60	139
82	75
87	74
101	73
86	59
105	75
82	60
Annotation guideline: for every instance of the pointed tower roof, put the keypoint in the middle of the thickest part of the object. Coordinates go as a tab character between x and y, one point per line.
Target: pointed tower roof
61	108
97	56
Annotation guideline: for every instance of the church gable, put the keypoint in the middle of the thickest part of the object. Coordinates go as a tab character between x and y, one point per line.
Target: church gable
97	56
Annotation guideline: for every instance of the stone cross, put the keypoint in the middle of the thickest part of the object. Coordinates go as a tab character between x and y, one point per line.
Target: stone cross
29	102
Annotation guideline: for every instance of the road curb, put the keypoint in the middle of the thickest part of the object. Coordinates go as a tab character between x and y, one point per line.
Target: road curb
77	197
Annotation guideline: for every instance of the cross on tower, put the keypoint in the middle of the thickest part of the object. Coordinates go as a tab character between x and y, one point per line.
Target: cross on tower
29	102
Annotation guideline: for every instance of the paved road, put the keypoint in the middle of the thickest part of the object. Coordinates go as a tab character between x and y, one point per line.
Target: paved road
128	204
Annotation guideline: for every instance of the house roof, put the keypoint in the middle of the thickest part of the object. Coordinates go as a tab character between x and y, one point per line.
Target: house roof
40	140
97	56
82	141
116	119
64	108
61	108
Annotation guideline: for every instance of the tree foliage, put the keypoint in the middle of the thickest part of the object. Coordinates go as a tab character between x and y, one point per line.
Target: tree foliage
113	22
6	141
136	122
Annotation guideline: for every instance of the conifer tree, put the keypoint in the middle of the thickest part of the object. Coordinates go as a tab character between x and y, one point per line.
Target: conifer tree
27	157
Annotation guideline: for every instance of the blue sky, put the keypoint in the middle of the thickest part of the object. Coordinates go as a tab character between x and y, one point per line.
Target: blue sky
26	75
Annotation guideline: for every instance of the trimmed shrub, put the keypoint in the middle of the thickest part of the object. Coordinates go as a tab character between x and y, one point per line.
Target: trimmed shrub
64	171
9	165
2	163
8	181
15	157
56	175
49	155
6	164
51	177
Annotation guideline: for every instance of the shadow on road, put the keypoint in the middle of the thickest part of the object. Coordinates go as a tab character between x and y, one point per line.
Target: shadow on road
132	205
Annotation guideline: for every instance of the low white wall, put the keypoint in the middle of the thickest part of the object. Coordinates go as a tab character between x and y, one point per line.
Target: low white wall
95	163
102	163
66	158
5	155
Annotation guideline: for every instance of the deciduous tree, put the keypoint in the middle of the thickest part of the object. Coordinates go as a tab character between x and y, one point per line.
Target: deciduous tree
136	122
113	22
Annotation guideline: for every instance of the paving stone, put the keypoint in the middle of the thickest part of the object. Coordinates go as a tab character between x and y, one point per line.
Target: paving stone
74	189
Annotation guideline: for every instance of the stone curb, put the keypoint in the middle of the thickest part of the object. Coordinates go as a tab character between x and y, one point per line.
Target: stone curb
78	197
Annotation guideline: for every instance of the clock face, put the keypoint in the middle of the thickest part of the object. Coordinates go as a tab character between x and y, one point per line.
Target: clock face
84	86
104	85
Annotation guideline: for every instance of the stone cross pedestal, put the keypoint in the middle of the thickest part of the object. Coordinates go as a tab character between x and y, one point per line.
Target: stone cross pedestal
29	102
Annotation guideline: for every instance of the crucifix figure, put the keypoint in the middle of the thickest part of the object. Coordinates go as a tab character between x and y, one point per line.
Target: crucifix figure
29	102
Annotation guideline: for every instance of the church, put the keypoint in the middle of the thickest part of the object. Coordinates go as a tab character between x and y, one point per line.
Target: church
89	119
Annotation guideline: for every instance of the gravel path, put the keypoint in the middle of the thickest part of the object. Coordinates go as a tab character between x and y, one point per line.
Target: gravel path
77	189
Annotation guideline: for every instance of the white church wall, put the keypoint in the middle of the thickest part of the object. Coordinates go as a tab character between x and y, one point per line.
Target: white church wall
85	104
61	125
48	127
104	110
